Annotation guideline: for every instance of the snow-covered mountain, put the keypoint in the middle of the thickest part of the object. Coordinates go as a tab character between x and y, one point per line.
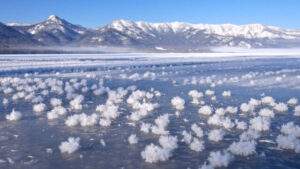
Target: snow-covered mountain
52	31
9	37
176	34
173	36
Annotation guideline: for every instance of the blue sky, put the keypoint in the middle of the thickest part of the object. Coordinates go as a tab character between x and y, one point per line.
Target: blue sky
94	13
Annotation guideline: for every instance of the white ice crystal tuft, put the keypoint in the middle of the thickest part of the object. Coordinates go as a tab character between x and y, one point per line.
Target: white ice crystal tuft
153	154
281	107
226	94
187	137
293	102
220	159
288	142
132	139
260	123
39	107
216	135
197	145
205	110
297	111
14	116
290	128
243	148
178	103
197	130
265	112
70	146
168	142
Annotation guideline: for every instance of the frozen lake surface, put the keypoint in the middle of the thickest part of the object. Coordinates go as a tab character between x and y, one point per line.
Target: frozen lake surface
150	111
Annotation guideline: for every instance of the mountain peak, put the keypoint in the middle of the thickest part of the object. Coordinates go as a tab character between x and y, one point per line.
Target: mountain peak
53	18
122	22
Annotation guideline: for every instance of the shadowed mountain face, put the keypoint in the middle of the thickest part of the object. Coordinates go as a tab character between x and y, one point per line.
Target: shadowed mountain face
10	37
174	36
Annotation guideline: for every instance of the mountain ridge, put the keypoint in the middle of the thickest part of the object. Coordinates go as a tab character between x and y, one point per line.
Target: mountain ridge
169	36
